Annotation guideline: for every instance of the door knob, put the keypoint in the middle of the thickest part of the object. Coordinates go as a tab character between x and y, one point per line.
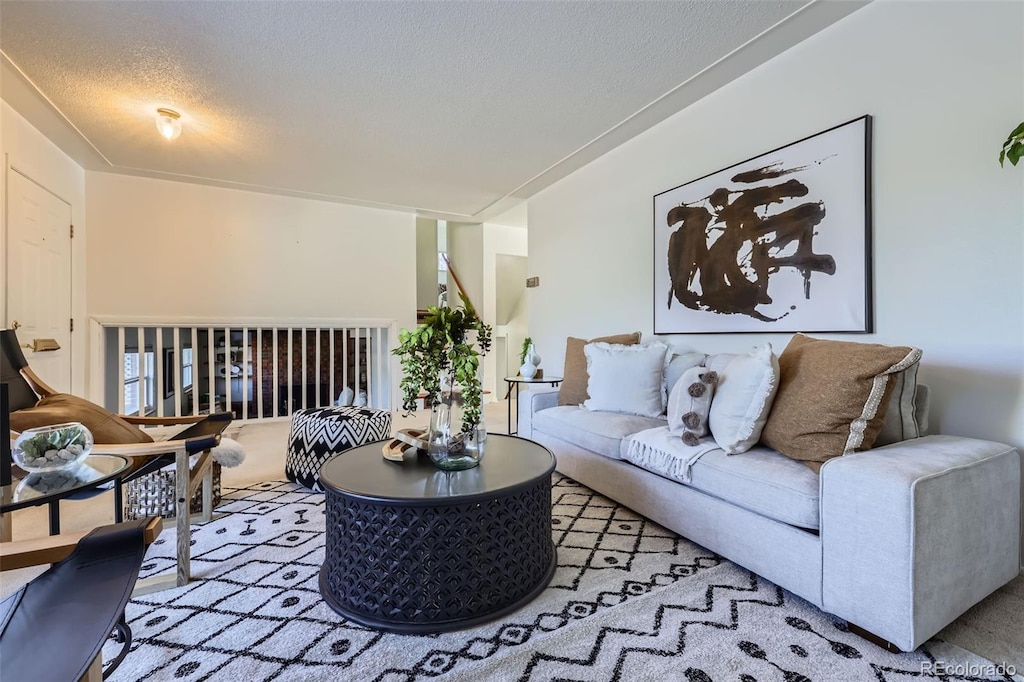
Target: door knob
15	325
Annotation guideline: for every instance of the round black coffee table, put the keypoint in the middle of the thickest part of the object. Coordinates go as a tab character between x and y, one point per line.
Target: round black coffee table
414	549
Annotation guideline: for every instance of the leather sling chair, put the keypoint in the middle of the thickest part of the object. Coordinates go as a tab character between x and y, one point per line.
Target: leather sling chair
75	605
26	389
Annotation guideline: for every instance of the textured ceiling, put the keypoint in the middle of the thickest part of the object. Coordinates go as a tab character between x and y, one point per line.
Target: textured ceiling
444	107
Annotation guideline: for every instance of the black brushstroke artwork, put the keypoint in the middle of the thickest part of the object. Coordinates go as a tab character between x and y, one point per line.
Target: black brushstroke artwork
730	243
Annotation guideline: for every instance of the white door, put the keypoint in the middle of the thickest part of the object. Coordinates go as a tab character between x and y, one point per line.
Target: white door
39	276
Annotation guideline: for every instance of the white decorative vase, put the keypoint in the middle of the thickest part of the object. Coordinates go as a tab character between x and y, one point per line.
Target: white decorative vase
528	371
532	357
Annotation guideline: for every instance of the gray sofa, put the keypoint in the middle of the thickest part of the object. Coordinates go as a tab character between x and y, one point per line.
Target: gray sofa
898	541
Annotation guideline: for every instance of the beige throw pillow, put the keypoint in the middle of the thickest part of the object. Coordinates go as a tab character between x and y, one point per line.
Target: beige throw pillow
832	397
573	390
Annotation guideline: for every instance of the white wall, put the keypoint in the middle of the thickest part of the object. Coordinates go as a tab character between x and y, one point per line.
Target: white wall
499	240
163	249
465	249
945	84
426	263
25	148
169	249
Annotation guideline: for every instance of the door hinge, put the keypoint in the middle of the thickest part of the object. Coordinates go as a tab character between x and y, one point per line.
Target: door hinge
72	324
72	231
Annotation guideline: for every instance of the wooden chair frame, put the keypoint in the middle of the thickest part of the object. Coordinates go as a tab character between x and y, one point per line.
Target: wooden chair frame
187	480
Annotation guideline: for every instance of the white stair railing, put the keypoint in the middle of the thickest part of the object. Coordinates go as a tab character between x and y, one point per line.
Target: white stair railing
255	368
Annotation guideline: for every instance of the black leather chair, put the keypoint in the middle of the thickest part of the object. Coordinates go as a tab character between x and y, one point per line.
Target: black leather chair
54	628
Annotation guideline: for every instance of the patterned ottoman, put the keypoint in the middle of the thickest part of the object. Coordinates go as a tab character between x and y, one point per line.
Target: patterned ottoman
320	433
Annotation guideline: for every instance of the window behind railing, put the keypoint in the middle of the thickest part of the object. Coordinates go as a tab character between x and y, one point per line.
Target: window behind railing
136	385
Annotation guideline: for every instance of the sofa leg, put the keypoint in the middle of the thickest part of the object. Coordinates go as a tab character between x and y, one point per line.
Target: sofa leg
873	638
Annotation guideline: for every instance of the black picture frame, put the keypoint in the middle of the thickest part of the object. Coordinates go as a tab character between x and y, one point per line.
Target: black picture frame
754	281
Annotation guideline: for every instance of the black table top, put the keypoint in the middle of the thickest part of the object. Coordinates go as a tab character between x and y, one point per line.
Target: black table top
29	489
509	463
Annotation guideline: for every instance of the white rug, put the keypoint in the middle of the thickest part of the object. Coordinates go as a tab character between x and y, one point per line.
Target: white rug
630	601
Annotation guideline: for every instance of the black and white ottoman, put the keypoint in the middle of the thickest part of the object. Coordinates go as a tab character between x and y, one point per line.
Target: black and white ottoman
320	433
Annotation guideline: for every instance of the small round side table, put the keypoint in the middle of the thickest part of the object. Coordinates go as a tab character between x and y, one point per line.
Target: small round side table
517	381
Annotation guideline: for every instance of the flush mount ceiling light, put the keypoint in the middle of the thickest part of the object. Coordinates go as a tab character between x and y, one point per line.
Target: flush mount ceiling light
168	123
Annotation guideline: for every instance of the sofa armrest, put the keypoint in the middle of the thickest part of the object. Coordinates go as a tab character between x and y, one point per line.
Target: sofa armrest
915	533
534	400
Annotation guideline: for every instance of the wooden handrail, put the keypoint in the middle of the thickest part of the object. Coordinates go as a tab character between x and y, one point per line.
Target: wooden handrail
458	284
160	447
162	421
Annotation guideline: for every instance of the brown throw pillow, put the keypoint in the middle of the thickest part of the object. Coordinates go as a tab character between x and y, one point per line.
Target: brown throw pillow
573	390
106	427
832	397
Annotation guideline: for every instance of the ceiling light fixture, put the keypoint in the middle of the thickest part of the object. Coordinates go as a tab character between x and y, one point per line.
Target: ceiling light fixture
168	123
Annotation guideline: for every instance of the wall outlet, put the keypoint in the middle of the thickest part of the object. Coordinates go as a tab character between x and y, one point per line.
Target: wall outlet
532	282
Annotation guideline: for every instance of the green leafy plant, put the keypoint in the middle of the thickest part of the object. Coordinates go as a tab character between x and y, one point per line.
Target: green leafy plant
1013	148
527	342
441	354
53	446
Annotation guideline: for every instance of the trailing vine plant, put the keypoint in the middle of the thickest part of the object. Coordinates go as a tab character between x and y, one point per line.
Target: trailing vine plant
442	354
1013	148
526	349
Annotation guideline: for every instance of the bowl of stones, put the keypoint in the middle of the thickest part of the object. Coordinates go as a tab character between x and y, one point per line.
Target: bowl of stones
47	448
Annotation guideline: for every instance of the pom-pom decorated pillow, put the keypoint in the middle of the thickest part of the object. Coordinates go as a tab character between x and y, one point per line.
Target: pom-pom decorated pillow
689	404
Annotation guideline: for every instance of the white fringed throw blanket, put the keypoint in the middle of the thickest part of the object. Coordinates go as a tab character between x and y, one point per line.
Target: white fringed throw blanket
660	452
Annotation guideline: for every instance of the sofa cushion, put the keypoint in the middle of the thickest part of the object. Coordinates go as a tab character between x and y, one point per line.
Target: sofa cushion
690	403
678	362
719	361
743	399
833	396
762	481
900	422
600	432
573	390
626	379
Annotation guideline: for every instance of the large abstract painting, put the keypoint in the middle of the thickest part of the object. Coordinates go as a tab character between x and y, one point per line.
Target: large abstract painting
778	243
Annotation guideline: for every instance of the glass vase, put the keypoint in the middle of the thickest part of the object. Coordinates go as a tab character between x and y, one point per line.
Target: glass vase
48	448
449	446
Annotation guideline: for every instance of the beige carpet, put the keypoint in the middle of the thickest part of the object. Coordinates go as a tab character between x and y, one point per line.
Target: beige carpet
994	628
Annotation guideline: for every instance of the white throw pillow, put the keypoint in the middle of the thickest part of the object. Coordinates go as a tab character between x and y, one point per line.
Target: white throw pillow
690	403
626	379
743	399
677	362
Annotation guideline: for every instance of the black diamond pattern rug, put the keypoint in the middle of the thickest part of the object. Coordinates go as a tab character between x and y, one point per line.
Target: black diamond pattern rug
630	601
